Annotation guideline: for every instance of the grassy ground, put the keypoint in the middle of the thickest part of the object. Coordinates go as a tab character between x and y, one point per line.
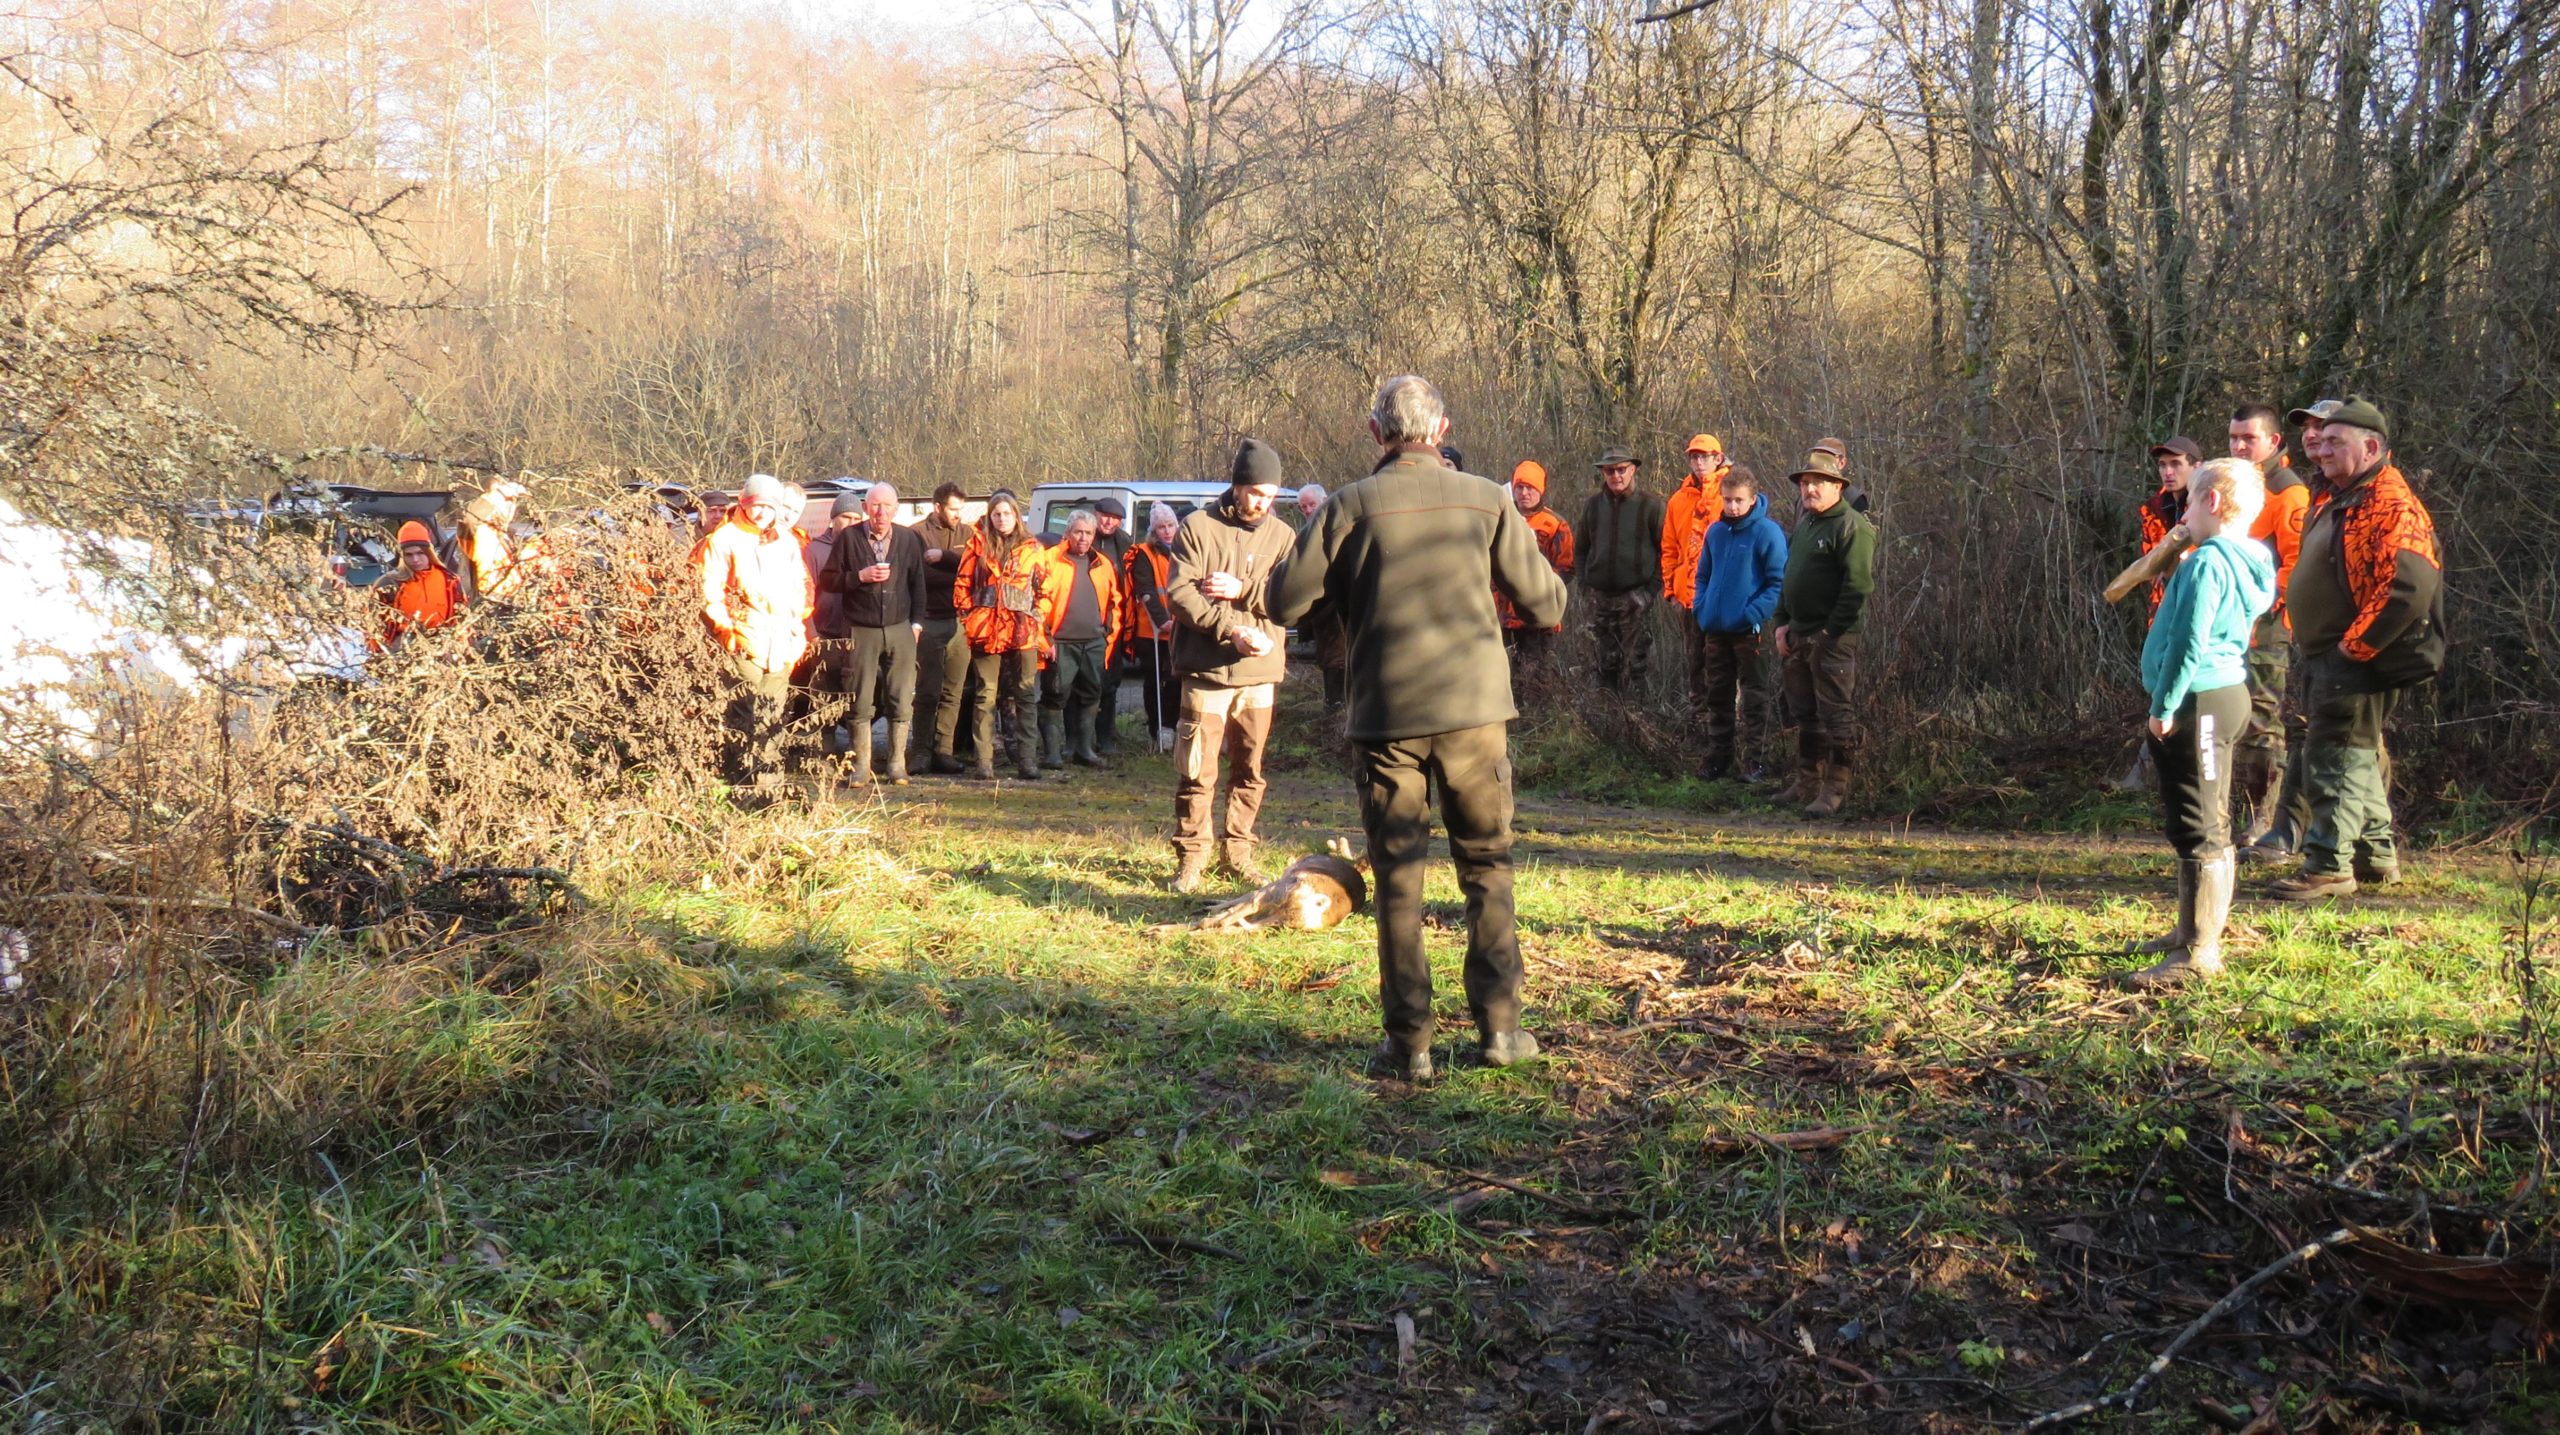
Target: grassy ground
945	1139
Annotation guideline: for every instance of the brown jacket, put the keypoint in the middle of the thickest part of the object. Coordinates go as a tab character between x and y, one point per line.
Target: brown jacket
1215	540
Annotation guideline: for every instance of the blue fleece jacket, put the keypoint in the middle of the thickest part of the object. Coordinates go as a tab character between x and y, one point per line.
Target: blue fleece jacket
1739	567
2200	637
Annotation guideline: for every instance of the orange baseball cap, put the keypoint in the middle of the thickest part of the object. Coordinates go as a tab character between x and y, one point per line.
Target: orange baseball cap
1706	443
1532	473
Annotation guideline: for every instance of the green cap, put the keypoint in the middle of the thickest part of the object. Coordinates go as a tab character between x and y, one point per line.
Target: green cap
2359	412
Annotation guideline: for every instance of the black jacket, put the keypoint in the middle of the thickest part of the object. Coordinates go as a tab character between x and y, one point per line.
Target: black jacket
875	605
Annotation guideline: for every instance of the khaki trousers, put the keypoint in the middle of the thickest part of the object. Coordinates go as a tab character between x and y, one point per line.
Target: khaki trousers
1218	721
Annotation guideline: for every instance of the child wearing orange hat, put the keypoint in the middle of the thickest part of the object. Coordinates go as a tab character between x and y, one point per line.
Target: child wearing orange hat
1533	649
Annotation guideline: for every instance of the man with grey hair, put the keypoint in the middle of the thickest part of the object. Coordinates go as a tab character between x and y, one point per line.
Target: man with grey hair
1080	606
1412	557
877	569
2367	601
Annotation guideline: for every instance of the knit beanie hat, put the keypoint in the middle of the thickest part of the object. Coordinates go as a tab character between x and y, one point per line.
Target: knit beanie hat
1532	473
1257	465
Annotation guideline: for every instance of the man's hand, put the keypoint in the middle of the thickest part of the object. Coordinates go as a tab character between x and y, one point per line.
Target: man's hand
933	555
1252	642
915	630
2162	727
1783	644
1222	586
876	573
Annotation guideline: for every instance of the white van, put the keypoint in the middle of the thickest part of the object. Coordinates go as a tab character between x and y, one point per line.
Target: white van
1052	502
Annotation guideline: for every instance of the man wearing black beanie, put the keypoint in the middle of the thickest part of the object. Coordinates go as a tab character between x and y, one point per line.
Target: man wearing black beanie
1229	653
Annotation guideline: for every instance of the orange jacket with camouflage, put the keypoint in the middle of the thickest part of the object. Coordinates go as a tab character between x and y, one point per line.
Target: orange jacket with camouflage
998	599
2375	583
1057	578
1699	503
755	594
1555	541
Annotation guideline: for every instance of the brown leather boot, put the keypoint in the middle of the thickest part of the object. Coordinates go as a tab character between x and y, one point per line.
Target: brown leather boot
1833	791
1193	872
1807	782
1236	859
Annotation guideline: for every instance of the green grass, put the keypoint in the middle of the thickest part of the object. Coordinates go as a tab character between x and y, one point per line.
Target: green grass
949	1141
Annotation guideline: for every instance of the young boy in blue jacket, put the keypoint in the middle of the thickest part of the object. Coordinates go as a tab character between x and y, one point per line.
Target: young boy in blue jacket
1739	567
2195	667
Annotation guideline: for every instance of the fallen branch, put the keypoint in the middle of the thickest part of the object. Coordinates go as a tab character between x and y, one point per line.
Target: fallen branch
1562	1203
2239	1296
1674	13
198	904
1166	1245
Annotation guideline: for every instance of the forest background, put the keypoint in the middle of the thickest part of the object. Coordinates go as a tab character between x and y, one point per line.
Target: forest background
2001	248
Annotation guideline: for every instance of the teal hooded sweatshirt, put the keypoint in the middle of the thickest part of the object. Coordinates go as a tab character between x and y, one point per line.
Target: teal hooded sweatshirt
2200	637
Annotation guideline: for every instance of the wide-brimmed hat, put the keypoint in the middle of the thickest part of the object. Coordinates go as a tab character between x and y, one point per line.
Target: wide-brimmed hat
1820	463
1613	457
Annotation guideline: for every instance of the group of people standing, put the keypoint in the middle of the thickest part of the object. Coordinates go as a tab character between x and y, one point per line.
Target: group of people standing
920	625
2272	593
1746	590
2275	593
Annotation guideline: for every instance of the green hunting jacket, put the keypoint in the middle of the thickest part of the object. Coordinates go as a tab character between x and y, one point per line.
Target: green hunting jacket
1617	547
1831	568
1410	558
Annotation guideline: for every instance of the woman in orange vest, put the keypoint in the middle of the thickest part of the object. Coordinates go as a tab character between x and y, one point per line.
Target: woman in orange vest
997	596
1146	625
421	594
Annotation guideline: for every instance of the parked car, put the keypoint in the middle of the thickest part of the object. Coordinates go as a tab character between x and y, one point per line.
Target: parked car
1052	502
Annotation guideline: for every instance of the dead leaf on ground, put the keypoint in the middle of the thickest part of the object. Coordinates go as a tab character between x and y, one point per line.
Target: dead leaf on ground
1322	983
1404	1346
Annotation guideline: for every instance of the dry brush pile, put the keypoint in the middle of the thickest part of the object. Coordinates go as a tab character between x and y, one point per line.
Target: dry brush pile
261	915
